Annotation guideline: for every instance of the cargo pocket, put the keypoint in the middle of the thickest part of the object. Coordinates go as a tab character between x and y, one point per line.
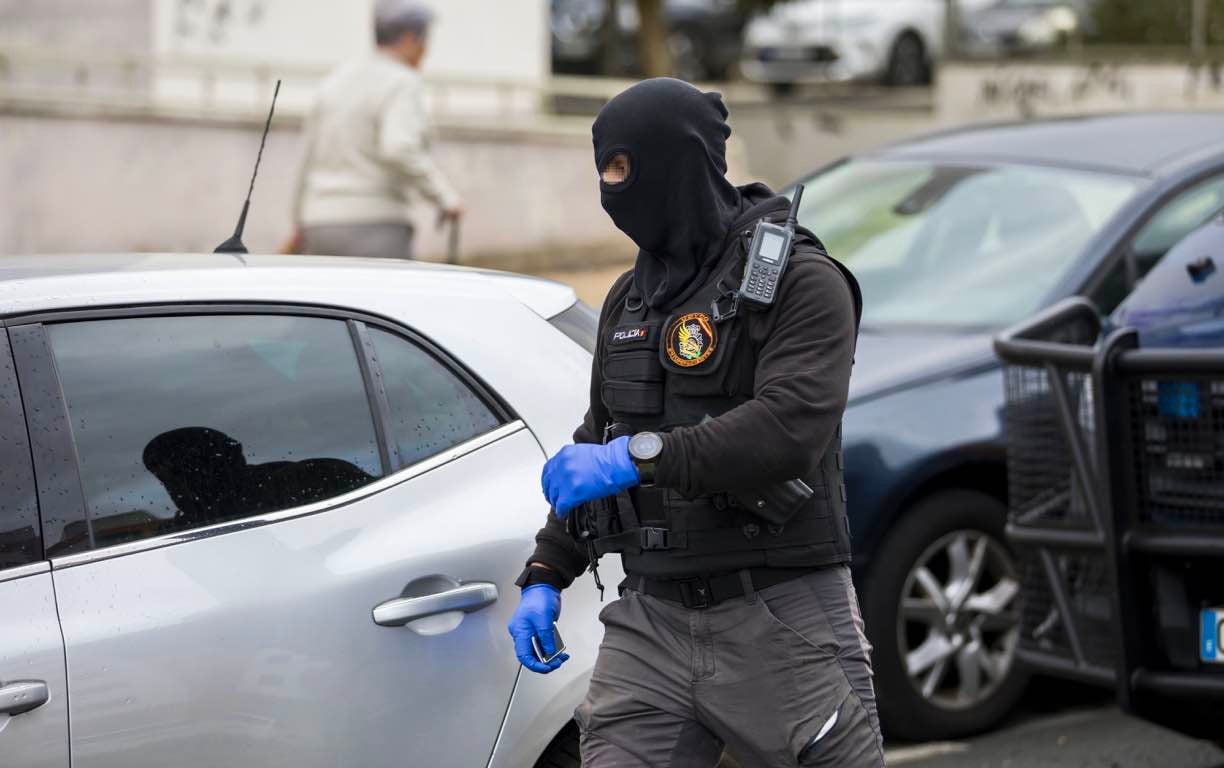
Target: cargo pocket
844	739
794	609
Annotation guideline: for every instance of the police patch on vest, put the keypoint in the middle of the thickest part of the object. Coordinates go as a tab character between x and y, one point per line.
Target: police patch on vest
626	335
691	340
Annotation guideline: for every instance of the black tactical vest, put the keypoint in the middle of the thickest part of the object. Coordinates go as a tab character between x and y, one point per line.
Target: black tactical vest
666	370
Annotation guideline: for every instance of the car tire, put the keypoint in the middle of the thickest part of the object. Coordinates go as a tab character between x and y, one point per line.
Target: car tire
907	62
904	624
562	751
782	90
687	55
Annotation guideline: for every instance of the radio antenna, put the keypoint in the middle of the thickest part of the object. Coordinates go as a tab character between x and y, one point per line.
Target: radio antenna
793	218
234	243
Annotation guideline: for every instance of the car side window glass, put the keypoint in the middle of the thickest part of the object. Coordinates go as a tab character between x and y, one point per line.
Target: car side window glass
431	407
182	422
1177	218
20	533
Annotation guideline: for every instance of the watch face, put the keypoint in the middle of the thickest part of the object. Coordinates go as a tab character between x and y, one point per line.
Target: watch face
645	446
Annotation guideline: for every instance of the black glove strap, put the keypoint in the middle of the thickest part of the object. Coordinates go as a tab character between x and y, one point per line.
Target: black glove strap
534	574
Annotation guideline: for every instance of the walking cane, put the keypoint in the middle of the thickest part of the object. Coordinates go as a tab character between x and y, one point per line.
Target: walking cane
452	241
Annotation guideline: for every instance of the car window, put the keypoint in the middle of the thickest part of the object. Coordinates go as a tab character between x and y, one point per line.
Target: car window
580	323
1173	221
1180	303
20	537
1178	218
952	245
181	422
431	408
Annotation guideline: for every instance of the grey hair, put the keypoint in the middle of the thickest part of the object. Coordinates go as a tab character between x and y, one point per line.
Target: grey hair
394	18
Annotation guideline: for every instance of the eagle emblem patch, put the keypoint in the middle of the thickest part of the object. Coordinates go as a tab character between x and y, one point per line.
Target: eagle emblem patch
691	340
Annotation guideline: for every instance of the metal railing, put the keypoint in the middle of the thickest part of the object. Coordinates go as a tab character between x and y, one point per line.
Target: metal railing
1116	478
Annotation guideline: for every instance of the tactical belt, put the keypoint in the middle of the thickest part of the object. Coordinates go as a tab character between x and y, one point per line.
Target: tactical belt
799	532
710	590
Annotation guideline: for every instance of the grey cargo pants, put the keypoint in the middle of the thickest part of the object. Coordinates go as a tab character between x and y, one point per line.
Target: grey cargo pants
390	240
782	677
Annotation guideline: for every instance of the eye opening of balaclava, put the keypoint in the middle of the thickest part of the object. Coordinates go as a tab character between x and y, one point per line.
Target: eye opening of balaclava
674	201
616	172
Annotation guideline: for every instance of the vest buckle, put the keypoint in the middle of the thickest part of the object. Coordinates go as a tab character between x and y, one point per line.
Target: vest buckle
724	307
654	538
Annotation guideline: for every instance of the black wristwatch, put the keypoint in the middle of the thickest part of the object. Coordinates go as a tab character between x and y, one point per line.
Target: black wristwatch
644	449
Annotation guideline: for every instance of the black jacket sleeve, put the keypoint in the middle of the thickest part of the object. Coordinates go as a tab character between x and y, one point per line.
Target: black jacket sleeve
799	393
554	547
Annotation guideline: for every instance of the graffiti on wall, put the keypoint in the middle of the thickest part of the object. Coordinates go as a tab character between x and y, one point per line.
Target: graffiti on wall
214	22
1028	91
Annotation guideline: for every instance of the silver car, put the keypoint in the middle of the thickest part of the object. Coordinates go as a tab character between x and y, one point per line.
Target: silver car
268	511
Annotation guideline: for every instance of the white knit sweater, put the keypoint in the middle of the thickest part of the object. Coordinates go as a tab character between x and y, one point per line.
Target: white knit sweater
367	146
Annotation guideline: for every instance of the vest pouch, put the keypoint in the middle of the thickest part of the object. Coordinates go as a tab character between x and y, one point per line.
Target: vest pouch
778	503
632	377
633	398
641	365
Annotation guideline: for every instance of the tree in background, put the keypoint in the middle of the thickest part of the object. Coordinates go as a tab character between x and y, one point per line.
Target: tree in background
652	38
653	32
1156	22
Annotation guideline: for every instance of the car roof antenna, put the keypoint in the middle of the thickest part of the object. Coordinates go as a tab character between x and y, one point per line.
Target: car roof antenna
234	243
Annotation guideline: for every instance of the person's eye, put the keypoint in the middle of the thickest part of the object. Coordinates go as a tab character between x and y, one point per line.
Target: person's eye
616	170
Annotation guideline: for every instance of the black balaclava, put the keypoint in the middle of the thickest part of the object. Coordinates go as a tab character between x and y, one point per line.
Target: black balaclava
676	203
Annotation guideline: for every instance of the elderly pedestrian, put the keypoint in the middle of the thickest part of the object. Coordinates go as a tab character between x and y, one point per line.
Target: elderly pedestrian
367	148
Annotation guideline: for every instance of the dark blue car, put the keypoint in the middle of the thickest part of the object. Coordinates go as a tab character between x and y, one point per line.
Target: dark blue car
954	237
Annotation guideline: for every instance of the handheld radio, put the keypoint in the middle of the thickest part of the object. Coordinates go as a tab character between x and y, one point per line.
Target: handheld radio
767	257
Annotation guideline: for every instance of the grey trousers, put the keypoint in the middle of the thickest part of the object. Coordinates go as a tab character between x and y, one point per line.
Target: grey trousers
392	240
781	677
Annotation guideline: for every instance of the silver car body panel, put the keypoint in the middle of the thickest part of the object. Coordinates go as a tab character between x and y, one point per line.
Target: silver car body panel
258	647
275	658
31	649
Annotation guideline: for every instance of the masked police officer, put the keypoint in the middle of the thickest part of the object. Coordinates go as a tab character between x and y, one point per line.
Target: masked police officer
710	459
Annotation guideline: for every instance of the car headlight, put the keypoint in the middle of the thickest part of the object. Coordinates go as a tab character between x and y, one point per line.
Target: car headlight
1047	28
854	21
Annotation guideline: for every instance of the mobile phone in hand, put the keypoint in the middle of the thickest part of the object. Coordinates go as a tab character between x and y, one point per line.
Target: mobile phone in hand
539	649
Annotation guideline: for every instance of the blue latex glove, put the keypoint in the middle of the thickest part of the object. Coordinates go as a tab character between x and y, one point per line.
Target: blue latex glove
587	471
539	606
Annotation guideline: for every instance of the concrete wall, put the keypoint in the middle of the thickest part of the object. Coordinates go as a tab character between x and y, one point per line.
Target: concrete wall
107	25
75	184
470	40
1018	90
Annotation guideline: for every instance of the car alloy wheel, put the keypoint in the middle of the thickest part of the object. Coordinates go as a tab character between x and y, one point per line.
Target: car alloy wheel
959	619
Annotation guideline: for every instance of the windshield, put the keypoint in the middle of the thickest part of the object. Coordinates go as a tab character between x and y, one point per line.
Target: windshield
957	245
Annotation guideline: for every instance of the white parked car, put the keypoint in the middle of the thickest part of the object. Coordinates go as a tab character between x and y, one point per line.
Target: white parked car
269	511
895	41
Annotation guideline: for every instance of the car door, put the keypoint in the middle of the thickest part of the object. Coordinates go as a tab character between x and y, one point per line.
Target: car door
33	690
1164	226
273	552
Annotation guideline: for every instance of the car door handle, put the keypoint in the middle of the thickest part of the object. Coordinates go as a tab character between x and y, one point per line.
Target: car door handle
466	598
22	696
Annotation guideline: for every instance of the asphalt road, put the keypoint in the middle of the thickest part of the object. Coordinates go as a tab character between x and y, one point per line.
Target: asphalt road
1060	725
1064	725
1092	738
